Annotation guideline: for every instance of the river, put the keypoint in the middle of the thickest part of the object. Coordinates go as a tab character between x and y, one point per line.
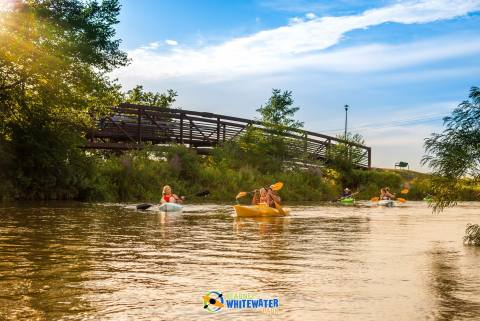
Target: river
73	261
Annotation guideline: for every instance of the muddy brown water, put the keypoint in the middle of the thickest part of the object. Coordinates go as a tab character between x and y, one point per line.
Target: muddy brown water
70	261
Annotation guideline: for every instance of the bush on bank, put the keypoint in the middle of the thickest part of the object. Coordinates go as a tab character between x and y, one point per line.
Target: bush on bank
139	176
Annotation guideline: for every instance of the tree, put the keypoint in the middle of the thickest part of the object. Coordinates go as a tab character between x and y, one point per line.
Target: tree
454	155
267	150
54	61
343	157
138	95
277	114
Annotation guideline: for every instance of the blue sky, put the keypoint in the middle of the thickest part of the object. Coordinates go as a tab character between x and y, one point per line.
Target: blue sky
400	65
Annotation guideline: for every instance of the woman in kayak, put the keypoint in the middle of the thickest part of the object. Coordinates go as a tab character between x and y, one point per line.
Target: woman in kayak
385	194
272	198
168	196
266	196
259	196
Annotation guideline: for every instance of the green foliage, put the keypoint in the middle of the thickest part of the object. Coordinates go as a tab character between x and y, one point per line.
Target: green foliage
252	149
138	95
343	156
455	153
277	114
369	183
140	176
53	64
266	151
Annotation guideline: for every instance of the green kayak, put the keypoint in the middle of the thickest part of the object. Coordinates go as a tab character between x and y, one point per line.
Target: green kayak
347	201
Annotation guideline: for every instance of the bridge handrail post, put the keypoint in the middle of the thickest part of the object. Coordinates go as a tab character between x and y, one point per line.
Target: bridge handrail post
181	128
139	124
218	130
369	149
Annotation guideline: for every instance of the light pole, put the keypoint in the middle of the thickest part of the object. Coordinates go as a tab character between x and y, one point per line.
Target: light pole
346	118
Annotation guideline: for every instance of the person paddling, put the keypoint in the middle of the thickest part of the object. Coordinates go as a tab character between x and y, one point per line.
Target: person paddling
259	196
385	194
266	196
168	196
272	197
346	193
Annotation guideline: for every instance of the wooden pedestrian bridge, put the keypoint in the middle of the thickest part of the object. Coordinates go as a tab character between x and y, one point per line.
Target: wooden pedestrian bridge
132	126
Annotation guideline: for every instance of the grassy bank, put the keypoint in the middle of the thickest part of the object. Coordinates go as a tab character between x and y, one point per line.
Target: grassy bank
140	175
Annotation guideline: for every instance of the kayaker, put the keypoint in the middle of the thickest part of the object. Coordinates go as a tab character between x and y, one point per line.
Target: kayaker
259	196
168	196
346	193
272	198
385	194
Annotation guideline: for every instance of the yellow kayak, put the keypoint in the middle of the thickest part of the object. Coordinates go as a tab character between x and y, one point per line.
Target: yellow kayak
259	210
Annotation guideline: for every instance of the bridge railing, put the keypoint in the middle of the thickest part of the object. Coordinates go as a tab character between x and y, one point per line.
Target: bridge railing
131	126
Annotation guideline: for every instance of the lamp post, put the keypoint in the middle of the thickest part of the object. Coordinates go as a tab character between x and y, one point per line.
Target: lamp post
346	118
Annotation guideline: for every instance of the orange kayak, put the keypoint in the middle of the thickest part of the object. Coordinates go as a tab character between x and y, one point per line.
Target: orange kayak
259	210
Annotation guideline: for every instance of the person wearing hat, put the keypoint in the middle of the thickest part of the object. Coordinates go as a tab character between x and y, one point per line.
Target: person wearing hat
346	193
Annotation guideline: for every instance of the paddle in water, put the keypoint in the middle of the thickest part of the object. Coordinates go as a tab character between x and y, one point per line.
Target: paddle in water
145	206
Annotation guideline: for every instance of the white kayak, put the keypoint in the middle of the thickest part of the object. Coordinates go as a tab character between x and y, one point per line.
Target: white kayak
386	203
170	208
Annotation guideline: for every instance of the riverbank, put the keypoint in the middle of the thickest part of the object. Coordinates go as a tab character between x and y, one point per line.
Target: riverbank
140	175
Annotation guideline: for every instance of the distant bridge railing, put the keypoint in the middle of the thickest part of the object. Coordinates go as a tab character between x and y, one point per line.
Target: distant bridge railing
131	126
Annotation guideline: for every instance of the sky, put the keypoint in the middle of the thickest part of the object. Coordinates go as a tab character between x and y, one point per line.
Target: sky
400	65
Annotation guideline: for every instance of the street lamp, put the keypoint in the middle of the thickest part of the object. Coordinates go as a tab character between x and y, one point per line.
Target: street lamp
346	118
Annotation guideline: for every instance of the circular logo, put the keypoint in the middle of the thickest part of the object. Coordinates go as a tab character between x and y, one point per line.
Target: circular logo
213	301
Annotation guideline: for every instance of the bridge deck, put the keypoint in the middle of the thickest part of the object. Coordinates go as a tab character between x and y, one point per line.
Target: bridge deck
131	126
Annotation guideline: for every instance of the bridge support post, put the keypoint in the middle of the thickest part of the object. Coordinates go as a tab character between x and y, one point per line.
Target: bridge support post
139	124
218	130
369	150
181	128
191	135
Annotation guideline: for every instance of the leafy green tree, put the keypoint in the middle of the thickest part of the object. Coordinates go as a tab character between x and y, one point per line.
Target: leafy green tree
54	61
278	113
266	151
454	154
138	95
344	156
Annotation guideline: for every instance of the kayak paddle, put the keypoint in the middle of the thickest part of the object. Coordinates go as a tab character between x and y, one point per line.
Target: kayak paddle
276	187
145	206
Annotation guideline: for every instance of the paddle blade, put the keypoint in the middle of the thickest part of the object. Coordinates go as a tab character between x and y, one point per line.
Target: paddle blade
277	186
203	193
401	200
374	199
143	207
241	194
404	191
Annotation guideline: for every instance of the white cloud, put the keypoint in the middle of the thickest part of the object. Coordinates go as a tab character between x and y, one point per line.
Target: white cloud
150	46
171	42
310	15
294	20
301	44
